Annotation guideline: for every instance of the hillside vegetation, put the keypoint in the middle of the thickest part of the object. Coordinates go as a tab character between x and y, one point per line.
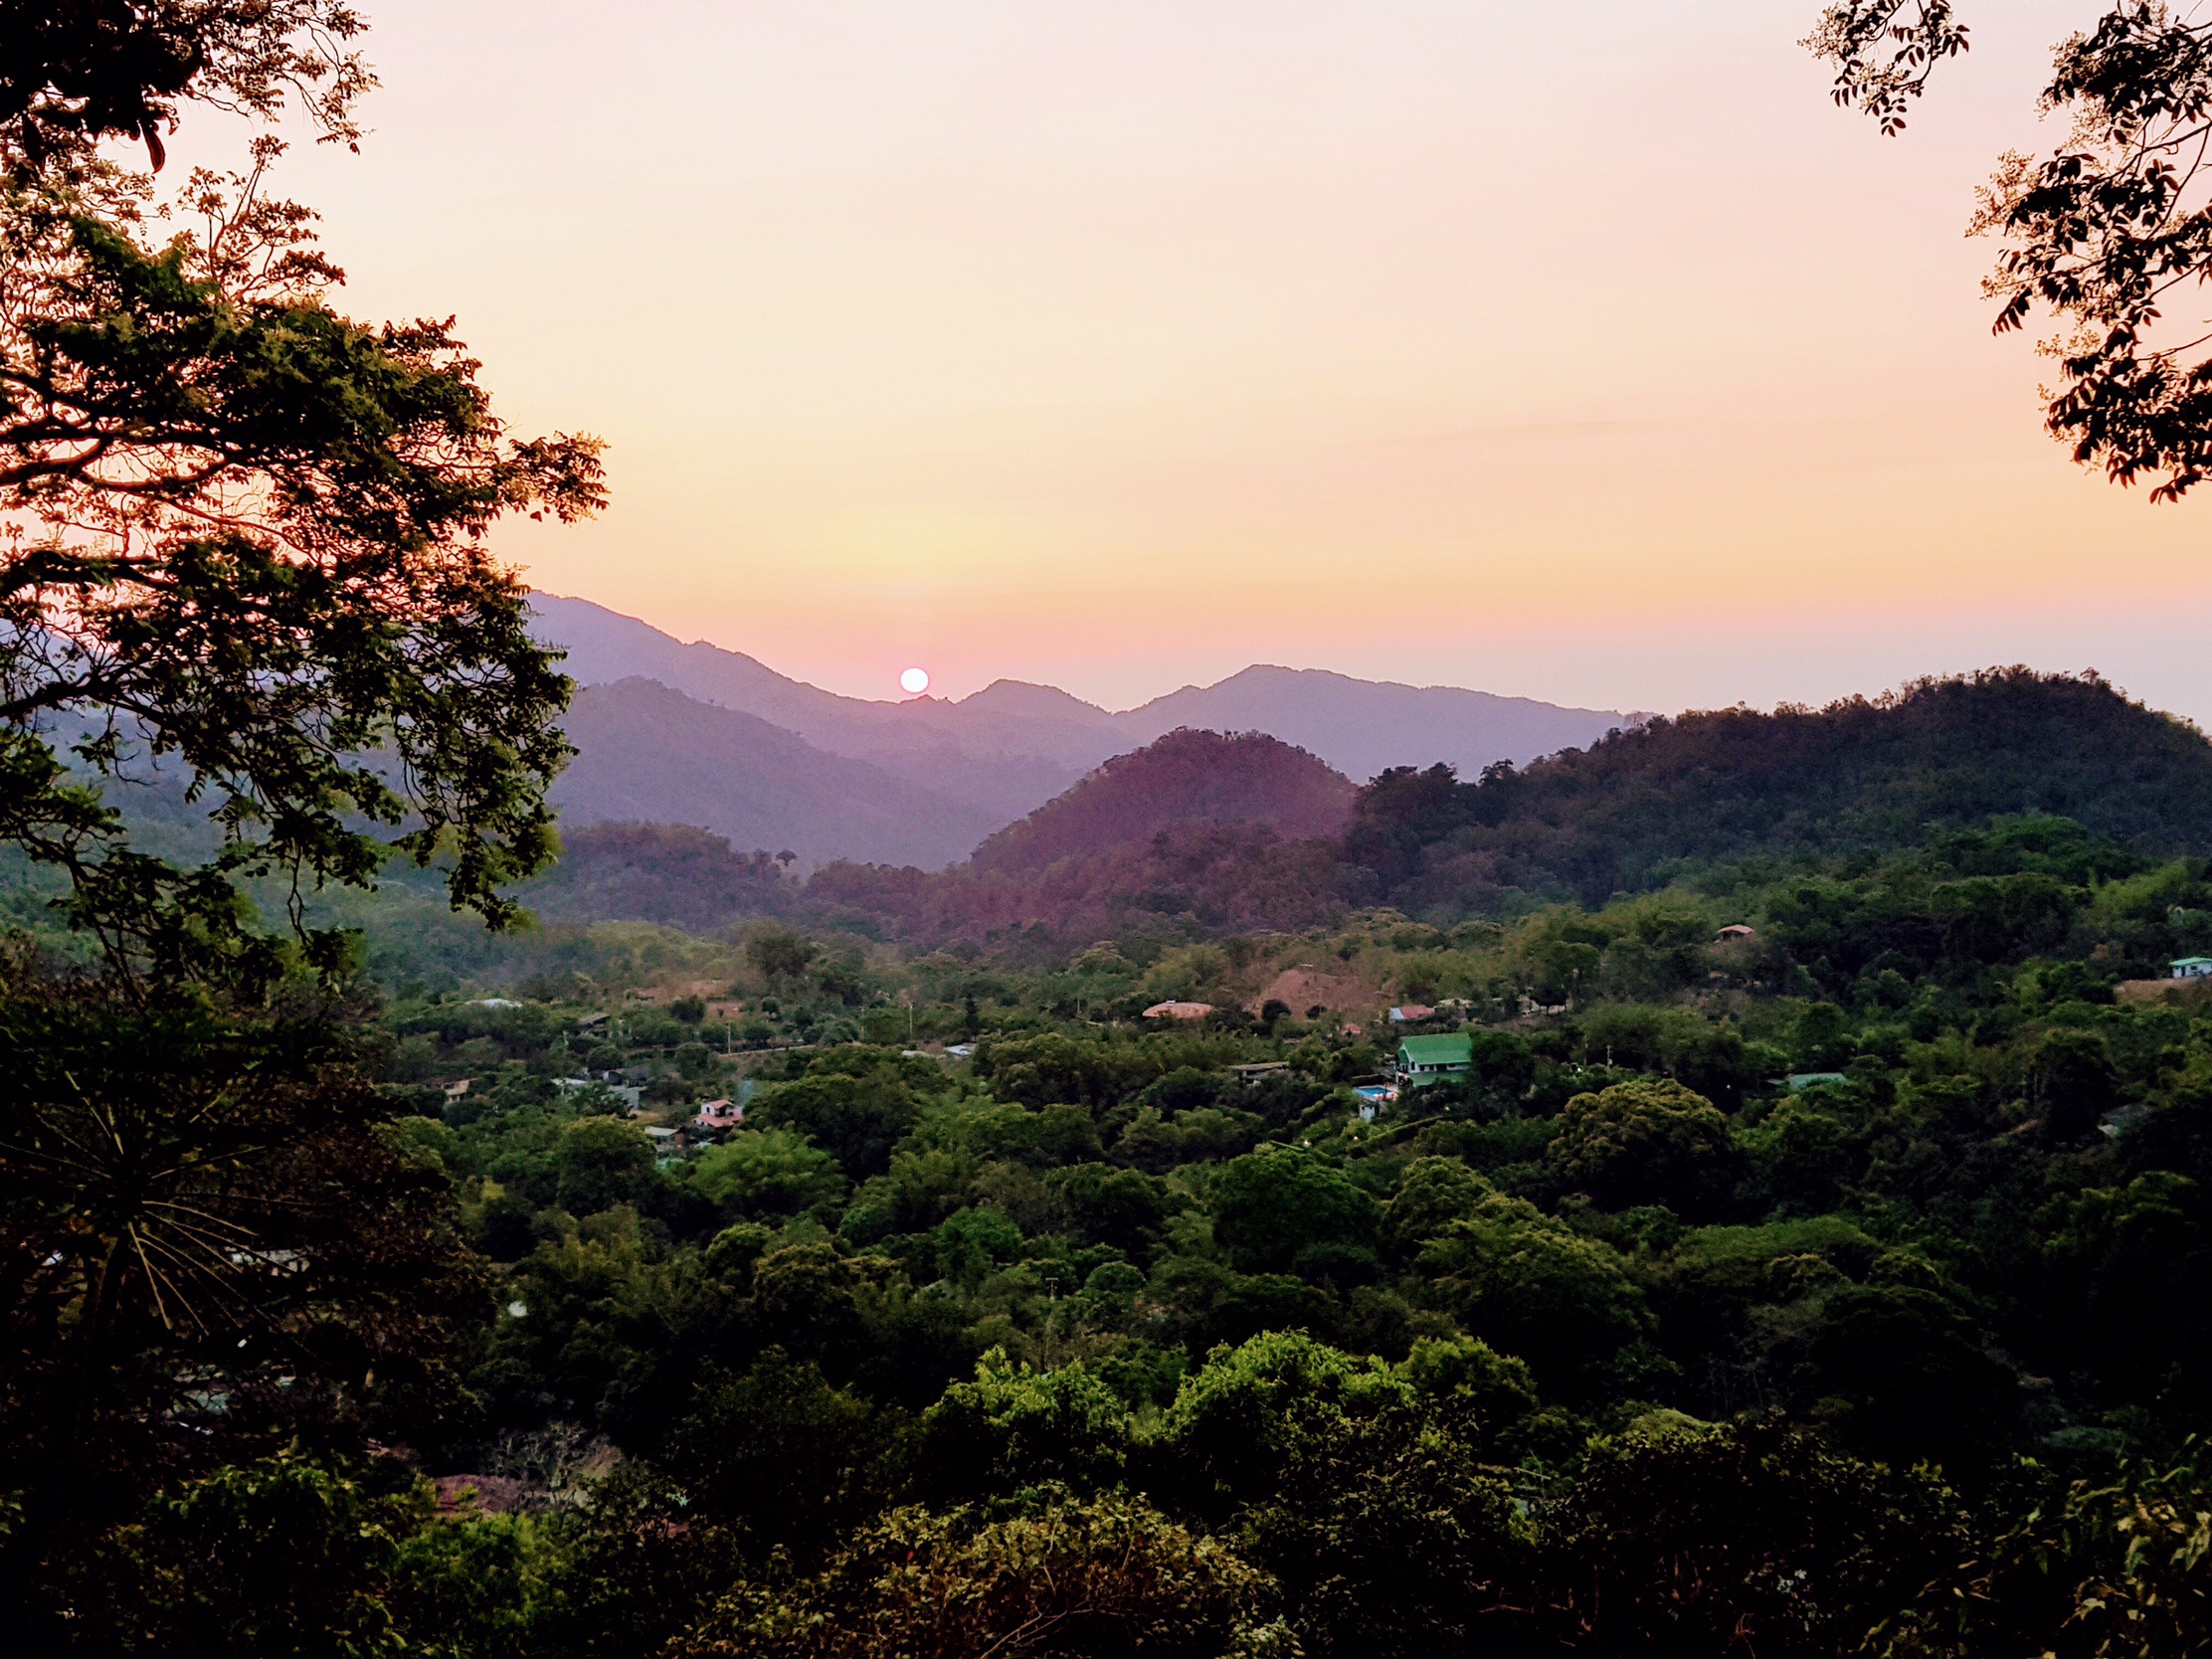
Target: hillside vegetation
1185	777
1869	1249
1639	809
1233	831
1201	878
686	877
1630	811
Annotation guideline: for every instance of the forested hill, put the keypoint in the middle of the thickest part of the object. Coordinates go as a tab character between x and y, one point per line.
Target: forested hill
1624	814
1225	833
1185	777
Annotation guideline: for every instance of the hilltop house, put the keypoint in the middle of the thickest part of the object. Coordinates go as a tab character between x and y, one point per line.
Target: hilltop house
1428	1059
2191	967
718	1115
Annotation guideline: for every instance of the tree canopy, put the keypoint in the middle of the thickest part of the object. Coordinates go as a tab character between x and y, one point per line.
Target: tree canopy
246	533
75	72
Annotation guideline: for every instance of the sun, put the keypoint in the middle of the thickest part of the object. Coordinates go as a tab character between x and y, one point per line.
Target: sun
915	682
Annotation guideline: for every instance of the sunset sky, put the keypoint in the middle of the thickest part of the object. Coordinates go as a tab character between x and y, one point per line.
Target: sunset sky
1580	352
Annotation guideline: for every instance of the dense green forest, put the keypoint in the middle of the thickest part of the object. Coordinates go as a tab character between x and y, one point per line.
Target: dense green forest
1839	1286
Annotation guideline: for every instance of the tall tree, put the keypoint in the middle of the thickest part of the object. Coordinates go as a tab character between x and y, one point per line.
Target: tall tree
242	543
246	534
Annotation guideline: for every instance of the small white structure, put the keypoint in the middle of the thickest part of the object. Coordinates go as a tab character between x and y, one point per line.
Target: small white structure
2192	967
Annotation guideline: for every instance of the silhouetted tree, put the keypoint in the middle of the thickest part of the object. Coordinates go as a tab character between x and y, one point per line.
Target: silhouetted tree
2105	232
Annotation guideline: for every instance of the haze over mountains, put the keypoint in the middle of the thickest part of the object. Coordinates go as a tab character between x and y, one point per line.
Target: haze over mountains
725	742
648	754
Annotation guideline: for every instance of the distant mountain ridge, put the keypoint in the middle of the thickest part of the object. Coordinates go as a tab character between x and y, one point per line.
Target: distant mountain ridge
1363	727
1013	746
649	753
1000	764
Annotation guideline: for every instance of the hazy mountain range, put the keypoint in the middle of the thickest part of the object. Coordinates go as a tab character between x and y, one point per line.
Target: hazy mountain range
696	734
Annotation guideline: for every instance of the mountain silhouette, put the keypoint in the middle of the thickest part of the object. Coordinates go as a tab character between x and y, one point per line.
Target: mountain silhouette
1013	746
646	753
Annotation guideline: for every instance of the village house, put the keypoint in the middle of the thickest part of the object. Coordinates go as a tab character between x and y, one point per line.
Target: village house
1428	1059
718	1115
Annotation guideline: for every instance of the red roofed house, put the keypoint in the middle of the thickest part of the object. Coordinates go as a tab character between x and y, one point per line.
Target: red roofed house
719	1115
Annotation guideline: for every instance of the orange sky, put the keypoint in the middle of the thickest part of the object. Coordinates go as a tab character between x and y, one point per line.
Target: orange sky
1576	352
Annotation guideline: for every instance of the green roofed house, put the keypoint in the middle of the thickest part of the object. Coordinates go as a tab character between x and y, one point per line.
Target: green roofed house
1425	1060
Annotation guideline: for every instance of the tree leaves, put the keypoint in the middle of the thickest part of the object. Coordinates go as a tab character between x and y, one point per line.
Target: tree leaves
71	73
2103	234
1885	51
251	547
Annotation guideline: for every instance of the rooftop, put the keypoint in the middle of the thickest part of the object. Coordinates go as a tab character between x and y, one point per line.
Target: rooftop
1437	1050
